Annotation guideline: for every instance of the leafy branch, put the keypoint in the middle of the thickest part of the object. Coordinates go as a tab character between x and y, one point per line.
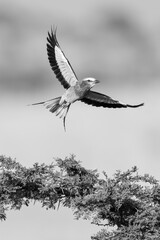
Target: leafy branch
129	203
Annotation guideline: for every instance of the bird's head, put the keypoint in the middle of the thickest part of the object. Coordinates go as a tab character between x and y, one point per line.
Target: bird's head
91	82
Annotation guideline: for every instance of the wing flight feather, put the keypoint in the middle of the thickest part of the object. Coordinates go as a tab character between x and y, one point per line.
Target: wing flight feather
100	100
59	63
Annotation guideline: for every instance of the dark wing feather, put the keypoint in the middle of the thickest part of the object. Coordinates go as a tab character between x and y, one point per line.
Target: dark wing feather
101	100
59	63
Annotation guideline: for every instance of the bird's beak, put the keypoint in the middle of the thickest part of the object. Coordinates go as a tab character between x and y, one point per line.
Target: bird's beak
97	81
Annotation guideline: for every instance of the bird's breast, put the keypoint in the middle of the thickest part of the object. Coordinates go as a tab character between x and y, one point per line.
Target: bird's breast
74	93
81	90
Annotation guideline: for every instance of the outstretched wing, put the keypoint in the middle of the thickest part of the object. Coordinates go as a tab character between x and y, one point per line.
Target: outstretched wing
101	100
59	63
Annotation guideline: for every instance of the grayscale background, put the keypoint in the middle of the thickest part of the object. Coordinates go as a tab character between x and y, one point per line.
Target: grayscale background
115	41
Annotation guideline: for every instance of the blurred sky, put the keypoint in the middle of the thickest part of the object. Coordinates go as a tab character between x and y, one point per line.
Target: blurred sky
115	41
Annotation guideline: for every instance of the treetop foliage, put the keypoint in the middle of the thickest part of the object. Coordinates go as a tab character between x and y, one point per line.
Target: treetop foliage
127	205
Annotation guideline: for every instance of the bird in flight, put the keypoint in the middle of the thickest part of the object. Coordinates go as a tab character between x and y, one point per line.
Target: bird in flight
76	90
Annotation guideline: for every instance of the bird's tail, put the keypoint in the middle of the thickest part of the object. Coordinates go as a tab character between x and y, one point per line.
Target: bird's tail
54	106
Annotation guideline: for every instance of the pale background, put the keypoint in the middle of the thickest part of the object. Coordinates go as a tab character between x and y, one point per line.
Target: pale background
115	41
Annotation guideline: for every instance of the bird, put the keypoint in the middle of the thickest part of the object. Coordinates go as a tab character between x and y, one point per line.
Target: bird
75	89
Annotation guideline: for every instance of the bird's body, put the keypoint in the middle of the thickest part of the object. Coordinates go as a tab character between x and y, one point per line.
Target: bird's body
76	90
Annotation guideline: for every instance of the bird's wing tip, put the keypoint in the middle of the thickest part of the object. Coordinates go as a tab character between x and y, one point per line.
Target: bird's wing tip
52	35
140	105
53	30
135	106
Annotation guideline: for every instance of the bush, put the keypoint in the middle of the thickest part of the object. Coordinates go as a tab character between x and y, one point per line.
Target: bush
127	205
